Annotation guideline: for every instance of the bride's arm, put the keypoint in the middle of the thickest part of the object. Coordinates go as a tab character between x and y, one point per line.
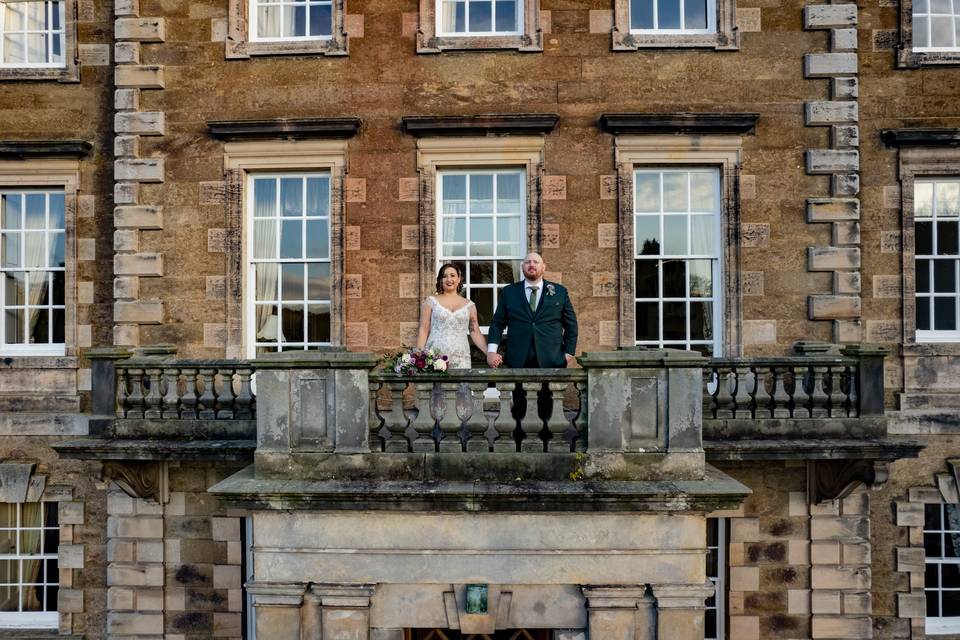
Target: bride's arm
475	333
424	331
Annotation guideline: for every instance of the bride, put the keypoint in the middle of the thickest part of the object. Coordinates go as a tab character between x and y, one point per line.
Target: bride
446	319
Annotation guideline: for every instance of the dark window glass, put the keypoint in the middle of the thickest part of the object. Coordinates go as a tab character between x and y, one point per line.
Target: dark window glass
951	603
481	273
480	18
923	314
947	238
923	275
668	14
483	298
674	320
924	239
931	545
641	14
506	15
647	279
944	276
944	314
647	321
933	604
674	279
931	517
695	14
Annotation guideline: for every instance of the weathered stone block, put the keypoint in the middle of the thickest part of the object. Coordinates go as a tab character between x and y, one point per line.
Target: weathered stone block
150	551
909	514
857	603
845	135
832	209
844	88
135	576
744	530
140	170
826	65
138	217
138	312
126	99
822	161
856	553
829	16
830	112
121	624
126	146
226	576
94	55
911	559
225	528
845	184
138	264
846	282
759	332
744	578
126	287
140	29
843	39
832	258
120	551
126	52
841	627
911	605
126	335
70	601
126	240
70	512
138	76
126	7
749	19
145	123
825	577
828	307
798	601
824	552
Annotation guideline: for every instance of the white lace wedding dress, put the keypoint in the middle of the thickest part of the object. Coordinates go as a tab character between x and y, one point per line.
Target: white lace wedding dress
448	333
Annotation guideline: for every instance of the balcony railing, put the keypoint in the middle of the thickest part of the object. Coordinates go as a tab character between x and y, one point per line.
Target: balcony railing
500	411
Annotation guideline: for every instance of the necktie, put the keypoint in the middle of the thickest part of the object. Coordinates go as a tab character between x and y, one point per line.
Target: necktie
533	298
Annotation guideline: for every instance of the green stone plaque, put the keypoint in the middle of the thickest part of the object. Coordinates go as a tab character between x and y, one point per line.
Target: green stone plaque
476	598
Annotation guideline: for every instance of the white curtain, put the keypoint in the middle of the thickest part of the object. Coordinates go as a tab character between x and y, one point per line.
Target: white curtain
30	546
268	21
265	243
448	18
35	256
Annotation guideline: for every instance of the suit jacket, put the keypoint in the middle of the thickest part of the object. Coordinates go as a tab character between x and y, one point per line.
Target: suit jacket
552	329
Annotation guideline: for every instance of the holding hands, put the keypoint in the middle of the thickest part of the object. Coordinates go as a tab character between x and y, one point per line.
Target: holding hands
494	359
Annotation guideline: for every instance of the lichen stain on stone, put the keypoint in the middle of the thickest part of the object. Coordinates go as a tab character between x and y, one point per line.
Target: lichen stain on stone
781	528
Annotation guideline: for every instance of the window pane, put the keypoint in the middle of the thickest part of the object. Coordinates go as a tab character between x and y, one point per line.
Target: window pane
318	196
10	247
15	330
36	47
508	193
923	314
318	239
648	235
674	321
701	321
702	235
16	16
950	574
921	36
481	194
454	193
483	298
940	6
264	197
59	325
674	187
481	273
14	287
951	603
11	206
36	16
268	22
647	192
14	50
291	281
944	276
933	604
668	14
35	211
56	250
56	211
674	279
952	522
931	515
941	35
481	237
924	238
321	20
9	594
508	271
647	319
508	230
454	230
291	196
291	239
675	235
291	317
944	314
703	192
695	14
318	281
480	18
947	238
701	278
648	273
264	239
299	21
39	326
923	275
506	15
931	545
948	199
318	323
453	17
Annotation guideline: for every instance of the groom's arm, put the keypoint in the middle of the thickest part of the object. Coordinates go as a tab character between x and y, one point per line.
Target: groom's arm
497	325
568	322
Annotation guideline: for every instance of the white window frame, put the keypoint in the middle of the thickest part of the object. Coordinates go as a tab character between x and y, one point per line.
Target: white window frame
519	6
467	258
711	9
933	335
250	303
954	16
940	625
43	348
716	261
720	580
62	31
255	15
31	619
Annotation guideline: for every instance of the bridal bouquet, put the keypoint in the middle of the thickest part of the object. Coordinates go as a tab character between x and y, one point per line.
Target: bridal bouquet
410	362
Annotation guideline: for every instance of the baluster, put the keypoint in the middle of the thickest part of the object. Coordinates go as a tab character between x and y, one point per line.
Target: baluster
423	424
853	402
446	415
709	399
801	398
188	402
761	397
818	396
837	399
135	399
580	421
206	403
557	424
725	378
244	400
171	399
780	405
395	420
742	398
375	421
225	408
476	436
530	423
122	394
504	423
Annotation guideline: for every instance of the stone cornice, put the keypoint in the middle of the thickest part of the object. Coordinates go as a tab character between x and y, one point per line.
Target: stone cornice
945	137
478	125
283	129
679	123
33	149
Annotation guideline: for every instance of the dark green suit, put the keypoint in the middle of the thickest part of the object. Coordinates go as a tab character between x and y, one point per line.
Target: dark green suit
540	338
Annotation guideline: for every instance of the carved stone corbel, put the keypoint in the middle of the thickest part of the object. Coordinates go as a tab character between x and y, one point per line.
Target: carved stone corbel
836	479
138	479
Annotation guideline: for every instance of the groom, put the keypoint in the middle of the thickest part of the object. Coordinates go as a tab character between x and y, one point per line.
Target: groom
542	327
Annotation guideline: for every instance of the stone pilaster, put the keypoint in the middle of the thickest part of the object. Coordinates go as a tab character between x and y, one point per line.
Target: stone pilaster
133	167
344	611
680	610
277	609
841	161
622	613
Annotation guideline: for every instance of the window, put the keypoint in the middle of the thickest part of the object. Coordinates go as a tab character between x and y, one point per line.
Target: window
936	25
479	17
481	217
33	34
677	258
479	24
29	537
291	19
936	216
289	266
941	543
672	16
282	27
715	614
33	270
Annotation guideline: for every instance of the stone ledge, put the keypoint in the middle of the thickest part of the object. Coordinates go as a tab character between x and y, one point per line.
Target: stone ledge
478	125
283	129
811	449
679	123
110	449
945	137
27	149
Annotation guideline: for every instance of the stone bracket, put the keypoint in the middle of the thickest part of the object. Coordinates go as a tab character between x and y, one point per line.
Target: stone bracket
836	479
147	480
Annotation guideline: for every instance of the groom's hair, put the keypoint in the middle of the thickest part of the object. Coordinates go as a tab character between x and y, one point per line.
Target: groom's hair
444	267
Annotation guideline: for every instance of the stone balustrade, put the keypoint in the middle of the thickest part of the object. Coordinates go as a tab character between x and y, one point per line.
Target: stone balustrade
155	389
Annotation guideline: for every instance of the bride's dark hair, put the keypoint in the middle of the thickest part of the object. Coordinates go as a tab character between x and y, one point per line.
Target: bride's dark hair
444	267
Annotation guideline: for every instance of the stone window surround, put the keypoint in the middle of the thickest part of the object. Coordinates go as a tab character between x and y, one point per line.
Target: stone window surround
244	158
530	40
726	38
434	154
70	72
239	44
53	173
723	151
907	58
920	162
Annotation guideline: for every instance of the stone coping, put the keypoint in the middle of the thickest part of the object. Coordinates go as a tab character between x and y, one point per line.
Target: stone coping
113	449
780	429
945	137
31	149
478	125
679	123
284	129
642	358
486	375
811	449
715	491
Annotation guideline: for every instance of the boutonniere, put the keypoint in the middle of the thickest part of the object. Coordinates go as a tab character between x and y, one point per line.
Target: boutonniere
551	290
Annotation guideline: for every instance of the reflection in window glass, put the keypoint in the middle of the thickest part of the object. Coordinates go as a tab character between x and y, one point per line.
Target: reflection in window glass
937	258
479	17
32	34
481	220
289	281
672	16
291	19
29	536
714	615
677	258
941	543
936	25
